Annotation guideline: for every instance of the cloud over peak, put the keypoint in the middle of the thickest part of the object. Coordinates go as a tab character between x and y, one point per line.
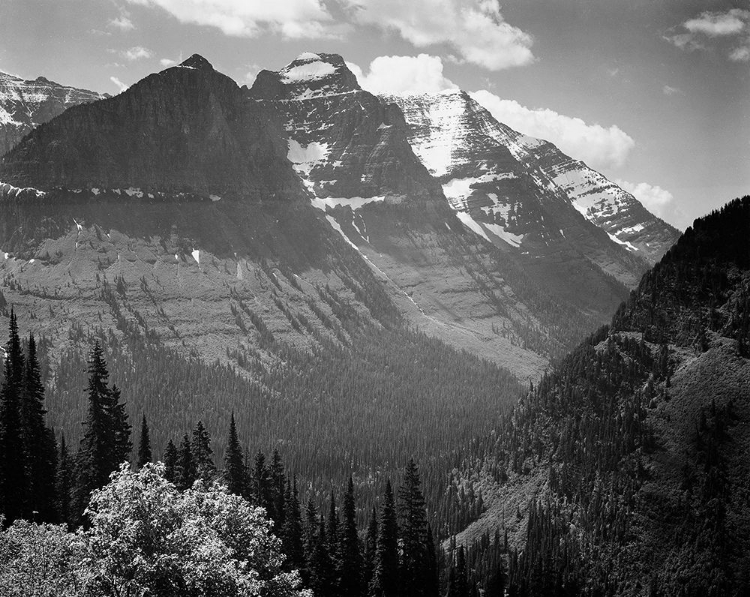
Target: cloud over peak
600	147
403	74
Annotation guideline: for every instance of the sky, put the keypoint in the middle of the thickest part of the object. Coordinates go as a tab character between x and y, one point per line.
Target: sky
654	94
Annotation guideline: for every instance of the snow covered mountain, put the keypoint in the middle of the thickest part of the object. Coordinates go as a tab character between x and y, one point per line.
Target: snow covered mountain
488	171
207	196
24	105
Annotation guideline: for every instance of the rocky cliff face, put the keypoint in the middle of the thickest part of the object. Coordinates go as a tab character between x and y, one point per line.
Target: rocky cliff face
24	105
524	191
188	129
443	219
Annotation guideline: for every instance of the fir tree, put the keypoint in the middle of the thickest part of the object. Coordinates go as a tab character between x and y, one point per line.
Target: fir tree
432	580
413	532
275	506
462	589
371	544
350	559
260	492
385	574
234	466
144	445
322	572
40	450
64	483
291	532
170	462
14	482
106	439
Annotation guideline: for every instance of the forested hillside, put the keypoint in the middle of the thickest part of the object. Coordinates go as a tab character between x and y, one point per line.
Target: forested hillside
625	471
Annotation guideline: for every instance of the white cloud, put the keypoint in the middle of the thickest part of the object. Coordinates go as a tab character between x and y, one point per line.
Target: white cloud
741	54
474	30
137	53
707	31
600	147
167	62
294	19
658	201
120	85
715	24
669	90
123	23
403	74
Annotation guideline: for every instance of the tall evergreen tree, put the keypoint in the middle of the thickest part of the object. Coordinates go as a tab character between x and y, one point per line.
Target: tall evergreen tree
291	533
350	558
202	454
170	462
106	439
144	445
371	544
14	481
275	506
40	450
413	532
322	573
462	586
64	483
234	465
432	574
385	575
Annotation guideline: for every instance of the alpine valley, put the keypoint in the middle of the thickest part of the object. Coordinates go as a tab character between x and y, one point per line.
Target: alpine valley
356	280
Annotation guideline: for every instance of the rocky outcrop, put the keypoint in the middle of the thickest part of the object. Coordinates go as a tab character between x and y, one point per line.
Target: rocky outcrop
525	193
188	129
24	105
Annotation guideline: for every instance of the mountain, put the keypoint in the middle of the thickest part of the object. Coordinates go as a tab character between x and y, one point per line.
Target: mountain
522	191
287	243
625	471
24	105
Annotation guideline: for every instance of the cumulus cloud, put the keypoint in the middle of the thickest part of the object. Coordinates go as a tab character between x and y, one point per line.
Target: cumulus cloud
137	53
600	147
740	54
658	201
715	30
123	23
119	84
715	24
474	30
403	74
167	62
294	19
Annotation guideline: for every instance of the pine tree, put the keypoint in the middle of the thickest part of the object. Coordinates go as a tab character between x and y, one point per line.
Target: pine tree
202	454
371	544
40	450
170	462
291	533
350	559
413	532
322	573
144	445
14	482
106	439
185	470
234	466
385	575
275	506
64	483
261	490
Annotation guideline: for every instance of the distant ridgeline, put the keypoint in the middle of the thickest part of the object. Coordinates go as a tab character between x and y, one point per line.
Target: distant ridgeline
635	448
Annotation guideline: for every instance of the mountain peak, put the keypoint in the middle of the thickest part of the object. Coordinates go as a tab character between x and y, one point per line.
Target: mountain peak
309	75
198	62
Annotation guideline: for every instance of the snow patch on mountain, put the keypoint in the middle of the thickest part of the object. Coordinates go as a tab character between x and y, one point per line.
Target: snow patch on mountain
355	203
458	190
306	157
311	71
